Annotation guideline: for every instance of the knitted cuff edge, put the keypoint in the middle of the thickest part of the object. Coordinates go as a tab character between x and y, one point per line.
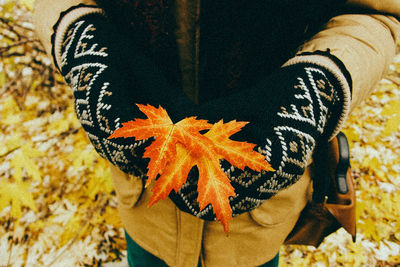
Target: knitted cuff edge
329	64
66	19
336	60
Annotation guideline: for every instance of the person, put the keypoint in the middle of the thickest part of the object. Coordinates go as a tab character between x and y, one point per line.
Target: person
293	69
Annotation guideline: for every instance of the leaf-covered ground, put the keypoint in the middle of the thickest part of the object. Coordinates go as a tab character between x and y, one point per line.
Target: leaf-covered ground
57	204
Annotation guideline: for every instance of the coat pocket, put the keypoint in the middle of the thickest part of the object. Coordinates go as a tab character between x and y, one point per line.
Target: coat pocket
128	188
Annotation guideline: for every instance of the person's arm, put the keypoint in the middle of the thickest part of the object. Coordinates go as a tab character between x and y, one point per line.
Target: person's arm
391	7
366	45
289	111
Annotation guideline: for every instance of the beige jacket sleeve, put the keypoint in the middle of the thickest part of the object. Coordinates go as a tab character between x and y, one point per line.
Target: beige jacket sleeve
383	6
46	14
366	45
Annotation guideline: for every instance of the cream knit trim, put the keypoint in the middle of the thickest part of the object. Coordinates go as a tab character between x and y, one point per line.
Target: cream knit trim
331	66
66	21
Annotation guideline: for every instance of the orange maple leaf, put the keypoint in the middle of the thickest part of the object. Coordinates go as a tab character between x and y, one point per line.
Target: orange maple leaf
166	133
239	154
179	147
213	184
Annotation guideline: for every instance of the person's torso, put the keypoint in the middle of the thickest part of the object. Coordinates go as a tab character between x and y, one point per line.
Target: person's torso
212	48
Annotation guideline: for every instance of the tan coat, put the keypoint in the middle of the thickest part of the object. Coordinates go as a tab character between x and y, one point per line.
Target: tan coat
364	43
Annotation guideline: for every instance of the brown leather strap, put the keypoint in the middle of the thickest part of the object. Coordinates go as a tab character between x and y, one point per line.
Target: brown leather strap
333	205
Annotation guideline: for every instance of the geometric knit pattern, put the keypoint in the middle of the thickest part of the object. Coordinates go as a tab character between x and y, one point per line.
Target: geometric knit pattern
288	149
85	67
103	100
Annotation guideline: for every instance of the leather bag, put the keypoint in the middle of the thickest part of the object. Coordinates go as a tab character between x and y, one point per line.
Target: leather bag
333	203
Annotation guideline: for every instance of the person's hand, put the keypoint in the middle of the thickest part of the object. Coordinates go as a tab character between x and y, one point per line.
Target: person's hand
108	76
289	111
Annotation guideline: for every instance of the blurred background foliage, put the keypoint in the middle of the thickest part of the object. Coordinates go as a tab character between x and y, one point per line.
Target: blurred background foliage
57	204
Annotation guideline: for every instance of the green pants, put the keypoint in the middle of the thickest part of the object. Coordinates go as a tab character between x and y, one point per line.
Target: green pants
138	257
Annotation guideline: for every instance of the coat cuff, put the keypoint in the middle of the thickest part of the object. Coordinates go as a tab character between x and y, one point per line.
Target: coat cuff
66	19
339	72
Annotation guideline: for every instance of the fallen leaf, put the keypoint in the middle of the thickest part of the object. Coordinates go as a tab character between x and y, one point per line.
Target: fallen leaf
28	4
16	195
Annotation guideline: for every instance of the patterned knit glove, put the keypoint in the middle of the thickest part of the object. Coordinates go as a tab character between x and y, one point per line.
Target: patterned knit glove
289	111
108	78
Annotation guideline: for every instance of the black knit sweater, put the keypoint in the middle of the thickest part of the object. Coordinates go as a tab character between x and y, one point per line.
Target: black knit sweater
241	41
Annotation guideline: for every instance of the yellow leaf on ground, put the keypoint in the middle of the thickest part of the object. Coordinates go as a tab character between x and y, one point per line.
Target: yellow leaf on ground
18	195
111	217
371	163
10	112
352	136
73	227
3	78
12	143
391	108
27	3
392	125
355	257
17	163
23	159
59	126
99	183
83	156
368	228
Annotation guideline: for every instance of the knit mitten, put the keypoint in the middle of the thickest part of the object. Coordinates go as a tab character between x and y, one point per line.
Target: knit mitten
108	77
289	111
